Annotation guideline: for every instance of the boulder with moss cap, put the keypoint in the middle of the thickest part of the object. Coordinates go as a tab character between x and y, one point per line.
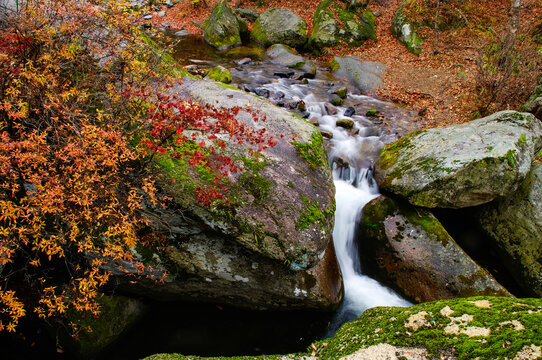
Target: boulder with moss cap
461	165
222	29
280	26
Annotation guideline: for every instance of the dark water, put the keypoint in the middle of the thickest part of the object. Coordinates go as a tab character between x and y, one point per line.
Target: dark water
186	328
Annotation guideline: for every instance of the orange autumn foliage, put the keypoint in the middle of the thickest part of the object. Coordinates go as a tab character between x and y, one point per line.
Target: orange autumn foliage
80	120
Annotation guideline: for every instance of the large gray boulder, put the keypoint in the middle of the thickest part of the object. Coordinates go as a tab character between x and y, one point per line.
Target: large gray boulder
515	225
364	77
408	249
280	26
462	165
404	30
270	247
222	29
334	22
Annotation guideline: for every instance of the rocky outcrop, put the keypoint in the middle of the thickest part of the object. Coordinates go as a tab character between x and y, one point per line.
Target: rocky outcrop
333	22
515	225
466	328
364	77
280	26
461	165
223	29
270	247
404	30
408	249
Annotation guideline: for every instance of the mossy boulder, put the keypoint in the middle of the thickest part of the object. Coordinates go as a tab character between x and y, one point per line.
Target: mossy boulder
222	29
462	165
465	328
220	74
280	26
362	76
270	246
534	103
515	225
404	30
118	314
334	22
408	249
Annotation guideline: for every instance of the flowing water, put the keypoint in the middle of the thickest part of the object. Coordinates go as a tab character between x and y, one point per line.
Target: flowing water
193	328
352	152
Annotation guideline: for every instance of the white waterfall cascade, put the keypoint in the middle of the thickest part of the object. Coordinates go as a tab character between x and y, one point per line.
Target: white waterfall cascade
355	187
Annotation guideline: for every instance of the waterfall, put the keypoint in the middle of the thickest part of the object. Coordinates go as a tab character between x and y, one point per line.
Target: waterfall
360	291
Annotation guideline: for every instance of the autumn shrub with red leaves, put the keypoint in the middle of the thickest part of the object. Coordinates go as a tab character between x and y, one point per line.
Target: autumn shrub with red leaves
83	114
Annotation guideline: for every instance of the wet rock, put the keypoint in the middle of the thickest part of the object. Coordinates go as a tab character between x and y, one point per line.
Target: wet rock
330	109
327	134
345	123
305	114
515	225
222	29
349	111
276	95
364	77
314	121
301	106
336	100
333	23
404	30
249	14
408	249
284	55
262	92
340	91
462	165
284	74
243	61
220	74
280	26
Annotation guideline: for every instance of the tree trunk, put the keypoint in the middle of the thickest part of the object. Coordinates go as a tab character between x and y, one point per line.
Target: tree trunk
512	32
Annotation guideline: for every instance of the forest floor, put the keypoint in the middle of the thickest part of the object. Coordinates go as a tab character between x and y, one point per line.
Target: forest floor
443	79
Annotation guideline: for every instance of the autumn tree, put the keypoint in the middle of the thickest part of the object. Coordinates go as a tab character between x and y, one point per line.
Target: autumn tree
84	110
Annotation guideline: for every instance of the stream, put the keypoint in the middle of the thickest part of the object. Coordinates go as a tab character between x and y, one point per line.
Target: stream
352	152
210	330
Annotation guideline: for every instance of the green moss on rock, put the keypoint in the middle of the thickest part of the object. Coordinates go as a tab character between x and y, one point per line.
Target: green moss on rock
314	151
468	328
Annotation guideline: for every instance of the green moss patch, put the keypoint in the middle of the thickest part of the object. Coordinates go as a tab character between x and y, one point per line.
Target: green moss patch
314	151
485	328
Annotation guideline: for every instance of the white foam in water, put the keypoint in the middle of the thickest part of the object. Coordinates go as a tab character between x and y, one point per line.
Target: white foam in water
361	292
354	189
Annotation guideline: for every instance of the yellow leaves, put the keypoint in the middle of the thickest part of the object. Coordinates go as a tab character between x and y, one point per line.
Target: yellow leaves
11	310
